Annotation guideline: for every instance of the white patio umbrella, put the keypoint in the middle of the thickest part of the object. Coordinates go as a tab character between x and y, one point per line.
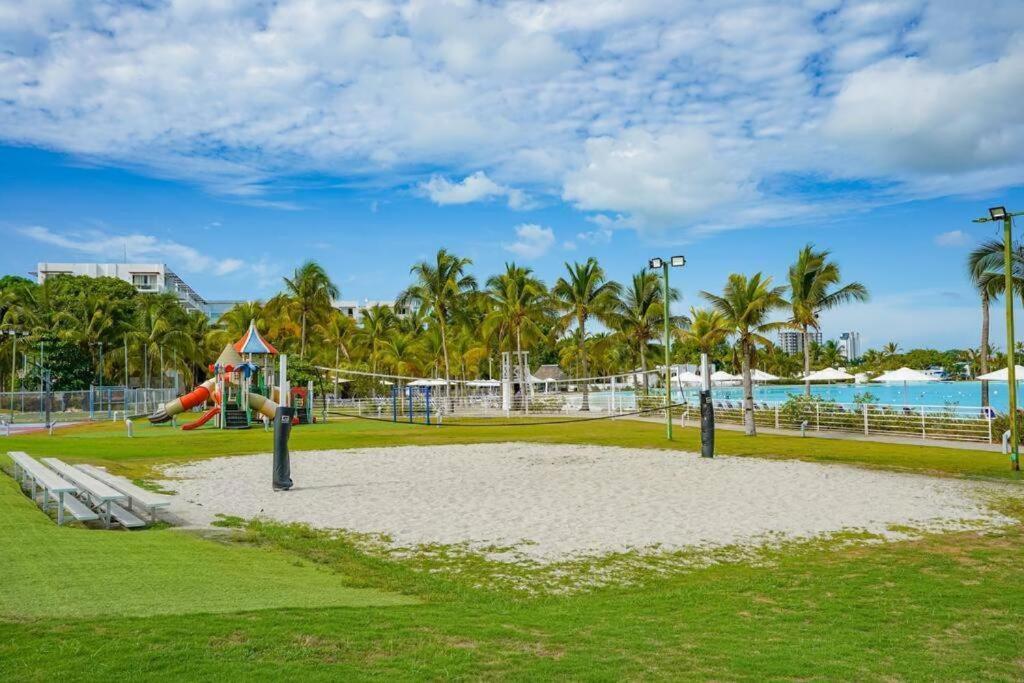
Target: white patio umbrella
762	376
1002	375
905	375
483	383
426	383
828	375
723	376
686	377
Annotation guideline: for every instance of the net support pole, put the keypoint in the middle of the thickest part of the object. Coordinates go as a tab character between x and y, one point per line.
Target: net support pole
707	410
282	475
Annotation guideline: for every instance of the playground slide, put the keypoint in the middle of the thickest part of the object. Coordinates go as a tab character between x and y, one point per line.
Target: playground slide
196	397
207	416
262	405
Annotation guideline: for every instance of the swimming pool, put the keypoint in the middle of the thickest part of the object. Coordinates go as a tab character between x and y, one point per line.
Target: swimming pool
965	394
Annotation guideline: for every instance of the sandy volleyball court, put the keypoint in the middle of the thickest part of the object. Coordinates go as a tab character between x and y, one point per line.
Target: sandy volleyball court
559	501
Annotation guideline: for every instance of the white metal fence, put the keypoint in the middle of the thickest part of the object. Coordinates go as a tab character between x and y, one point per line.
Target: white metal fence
947	423
98	403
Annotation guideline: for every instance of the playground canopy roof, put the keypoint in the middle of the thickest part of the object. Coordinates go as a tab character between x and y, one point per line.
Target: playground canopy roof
253	342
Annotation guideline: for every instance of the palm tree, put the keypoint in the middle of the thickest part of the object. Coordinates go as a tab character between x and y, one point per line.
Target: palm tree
440	287
336	332
236	319
830	355
156	327
312	293
585	294
516	301
401	352
985	267
814	287
640	312
707	331
890	350
376	324
746	303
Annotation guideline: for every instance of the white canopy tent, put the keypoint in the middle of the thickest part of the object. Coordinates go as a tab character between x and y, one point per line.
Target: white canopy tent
686	377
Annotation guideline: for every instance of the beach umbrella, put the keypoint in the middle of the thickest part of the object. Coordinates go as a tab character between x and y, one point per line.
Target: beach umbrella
483	383
426	383
762	376
828	375
1001	375
905	375
723	376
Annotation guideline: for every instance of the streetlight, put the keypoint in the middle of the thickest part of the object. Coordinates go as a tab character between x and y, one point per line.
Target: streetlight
999	213
14	333
654	264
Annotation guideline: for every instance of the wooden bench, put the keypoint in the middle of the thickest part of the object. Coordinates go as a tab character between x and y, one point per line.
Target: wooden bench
54	487
137	496
103	498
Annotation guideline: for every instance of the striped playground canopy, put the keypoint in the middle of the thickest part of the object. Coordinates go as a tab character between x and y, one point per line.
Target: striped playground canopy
253	342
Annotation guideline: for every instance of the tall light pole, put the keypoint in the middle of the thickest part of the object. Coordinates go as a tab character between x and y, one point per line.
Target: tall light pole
654	264
14	333
999	213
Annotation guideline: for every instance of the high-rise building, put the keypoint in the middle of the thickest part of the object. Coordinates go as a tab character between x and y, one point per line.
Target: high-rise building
849	345
792	341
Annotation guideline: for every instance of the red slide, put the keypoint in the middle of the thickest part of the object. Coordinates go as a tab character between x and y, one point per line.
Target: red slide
207	416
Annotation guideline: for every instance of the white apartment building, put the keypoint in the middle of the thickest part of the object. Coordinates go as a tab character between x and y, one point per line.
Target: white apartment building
792	341
354	309
849	345
145	277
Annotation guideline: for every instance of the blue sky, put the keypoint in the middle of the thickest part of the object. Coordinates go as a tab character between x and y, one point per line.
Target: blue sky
233	140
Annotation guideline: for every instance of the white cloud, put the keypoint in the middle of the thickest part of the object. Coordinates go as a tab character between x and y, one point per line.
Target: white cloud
953	238
135	247
906	115
665	113
661	180
473	188
228	265
532	241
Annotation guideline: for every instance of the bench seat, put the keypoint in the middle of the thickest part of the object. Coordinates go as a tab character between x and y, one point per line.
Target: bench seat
125	518
27	468
77	508
137	496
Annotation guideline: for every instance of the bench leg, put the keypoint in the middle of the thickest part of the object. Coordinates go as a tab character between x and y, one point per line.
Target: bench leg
106	517
60	509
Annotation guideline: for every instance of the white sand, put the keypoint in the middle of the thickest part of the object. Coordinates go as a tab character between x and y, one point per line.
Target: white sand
561	501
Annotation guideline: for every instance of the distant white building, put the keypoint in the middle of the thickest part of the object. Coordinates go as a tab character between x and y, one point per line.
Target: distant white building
354	309
147	278
849	345
792	341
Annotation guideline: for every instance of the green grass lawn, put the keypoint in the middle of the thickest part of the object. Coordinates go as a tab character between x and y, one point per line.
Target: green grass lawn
289	602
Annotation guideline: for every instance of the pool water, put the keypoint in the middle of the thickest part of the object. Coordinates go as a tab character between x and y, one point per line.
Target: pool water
964	394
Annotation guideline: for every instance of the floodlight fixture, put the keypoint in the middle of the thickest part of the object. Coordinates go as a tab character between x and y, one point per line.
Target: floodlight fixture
678	261
656	263
997	213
